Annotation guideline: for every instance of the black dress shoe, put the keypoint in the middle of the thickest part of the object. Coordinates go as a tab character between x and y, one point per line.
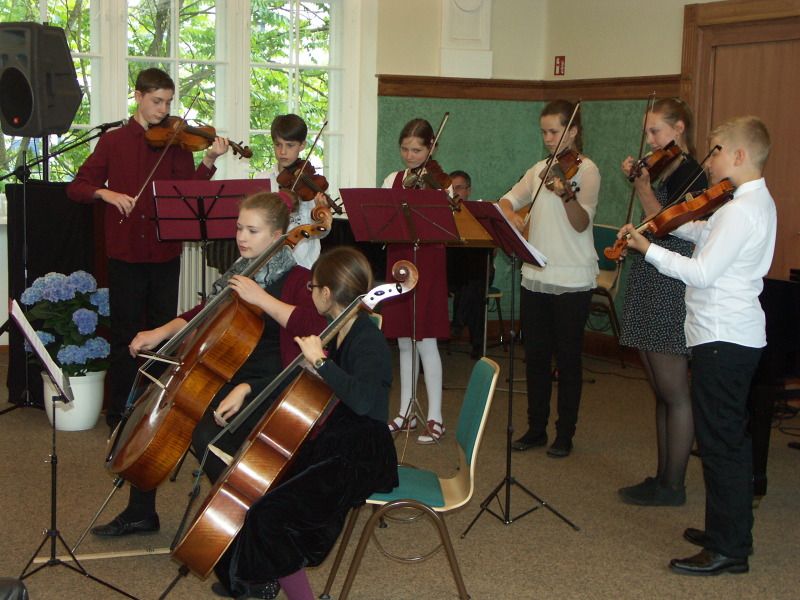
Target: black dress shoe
708	563
529	440
698	537
560	449
123	526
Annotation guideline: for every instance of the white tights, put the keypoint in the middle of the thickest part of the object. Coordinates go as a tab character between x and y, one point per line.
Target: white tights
428	353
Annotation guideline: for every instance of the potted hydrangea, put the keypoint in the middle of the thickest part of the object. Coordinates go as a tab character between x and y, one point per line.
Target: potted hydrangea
66	311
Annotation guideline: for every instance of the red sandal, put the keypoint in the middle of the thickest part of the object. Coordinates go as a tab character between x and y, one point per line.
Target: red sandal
401	423
433	433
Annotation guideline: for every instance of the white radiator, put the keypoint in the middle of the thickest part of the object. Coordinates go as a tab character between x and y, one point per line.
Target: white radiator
191	281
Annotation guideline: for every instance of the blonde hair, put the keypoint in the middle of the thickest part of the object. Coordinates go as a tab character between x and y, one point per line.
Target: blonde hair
673	110
272	208
748	131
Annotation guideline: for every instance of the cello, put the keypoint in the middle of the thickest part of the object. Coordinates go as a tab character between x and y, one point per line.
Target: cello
267	454
205	354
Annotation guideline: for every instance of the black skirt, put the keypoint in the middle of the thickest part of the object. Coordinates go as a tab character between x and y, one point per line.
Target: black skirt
296	524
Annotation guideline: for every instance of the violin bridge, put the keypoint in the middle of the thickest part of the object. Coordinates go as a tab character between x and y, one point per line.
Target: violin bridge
223	456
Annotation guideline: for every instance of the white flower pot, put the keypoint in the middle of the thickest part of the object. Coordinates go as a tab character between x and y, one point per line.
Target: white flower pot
83	411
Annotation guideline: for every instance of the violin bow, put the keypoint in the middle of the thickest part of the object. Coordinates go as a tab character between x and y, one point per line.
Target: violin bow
651	100
308	154
551	160
413	179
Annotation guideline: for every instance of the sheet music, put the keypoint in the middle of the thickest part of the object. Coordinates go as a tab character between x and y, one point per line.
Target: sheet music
532	249
55	372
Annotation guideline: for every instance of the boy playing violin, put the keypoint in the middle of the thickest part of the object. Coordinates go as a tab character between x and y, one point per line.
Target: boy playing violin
289	133
142	271
725	329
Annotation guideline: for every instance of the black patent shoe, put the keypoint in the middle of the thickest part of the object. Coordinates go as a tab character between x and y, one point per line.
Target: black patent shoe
122	525
529	440
708	563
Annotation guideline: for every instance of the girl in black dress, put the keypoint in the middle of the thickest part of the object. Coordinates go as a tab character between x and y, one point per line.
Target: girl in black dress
655	310
349	458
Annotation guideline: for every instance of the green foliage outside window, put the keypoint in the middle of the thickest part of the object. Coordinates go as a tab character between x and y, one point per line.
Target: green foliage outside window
289	41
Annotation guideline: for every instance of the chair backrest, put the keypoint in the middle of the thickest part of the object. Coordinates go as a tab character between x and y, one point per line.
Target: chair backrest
605	236
475	410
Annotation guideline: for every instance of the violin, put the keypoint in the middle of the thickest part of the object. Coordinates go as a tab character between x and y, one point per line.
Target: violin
301	178
656	162
175	131
672	217
564	168
427	176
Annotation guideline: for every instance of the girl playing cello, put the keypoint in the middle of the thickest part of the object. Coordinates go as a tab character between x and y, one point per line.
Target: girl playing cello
352	456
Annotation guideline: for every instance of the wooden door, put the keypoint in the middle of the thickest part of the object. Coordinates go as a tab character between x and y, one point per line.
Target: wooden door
740	58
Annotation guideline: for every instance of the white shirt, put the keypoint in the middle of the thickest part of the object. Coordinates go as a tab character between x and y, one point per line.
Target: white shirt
723	277
571	257
306	252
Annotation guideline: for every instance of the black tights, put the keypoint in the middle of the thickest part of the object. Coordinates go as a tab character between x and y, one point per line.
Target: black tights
668	375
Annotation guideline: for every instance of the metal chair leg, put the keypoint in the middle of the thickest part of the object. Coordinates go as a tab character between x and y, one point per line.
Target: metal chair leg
337	561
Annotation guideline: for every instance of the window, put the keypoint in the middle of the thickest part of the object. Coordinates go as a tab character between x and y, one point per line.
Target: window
236	65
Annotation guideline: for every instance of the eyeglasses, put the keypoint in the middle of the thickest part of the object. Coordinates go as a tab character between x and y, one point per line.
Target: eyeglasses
310	286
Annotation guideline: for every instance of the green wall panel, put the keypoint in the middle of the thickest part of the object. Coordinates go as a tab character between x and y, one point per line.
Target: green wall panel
496	141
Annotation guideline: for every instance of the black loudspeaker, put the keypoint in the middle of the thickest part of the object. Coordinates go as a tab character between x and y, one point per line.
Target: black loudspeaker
39	92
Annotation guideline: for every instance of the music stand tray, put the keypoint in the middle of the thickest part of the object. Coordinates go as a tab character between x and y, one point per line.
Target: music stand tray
195	210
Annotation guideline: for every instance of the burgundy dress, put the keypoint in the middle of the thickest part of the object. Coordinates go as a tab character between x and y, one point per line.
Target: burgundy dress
433	320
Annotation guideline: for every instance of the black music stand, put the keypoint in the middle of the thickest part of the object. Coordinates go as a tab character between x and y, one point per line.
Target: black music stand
61	384
199	211
407	216
515	246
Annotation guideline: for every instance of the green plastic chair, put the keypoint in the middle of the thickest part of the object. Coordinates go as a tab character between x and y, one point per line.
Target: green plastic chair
426	493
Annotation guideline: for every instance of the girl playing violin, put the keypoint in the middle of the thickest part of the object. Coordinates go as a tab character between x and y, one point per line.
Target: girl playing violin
142	271
297	523
555	299
280	290
432	319
655	310
289	133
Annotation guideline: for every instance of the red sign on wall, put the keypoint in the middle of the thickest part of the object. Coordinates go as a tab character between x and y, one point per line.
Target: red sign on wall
560	65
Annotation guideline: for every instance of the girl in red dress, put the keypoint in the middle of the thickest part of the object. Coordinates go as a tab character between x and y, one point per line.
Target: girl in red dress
432	319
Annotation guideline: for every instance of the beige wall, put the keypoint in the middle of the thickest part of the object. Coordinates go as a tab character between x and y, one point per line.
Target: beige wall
600	38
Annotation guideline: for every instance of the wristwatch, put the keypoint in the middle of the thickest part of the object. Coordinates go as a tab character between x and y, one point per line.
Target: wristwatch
319	362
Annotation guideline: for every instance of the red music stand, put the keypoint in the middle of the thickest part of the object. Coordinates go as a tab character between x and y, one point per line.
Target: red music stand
509	239
199	211
402	216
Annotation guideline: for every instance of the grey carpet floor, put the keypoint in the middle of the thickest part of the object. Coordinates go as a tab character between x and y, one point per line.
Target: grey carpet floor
620	551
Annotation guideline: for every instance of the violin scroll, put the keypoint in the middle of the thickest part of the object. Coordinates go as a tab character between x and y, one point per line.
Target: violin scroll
405	273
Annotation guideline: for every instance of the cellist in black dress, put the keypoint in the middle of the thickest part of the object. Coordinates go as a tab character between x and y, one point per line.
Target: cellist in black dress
350	457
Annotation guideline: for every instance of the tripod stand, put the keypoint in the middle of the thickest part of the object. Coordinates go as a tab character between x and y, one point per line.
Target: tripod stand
509	240
414	222
52	533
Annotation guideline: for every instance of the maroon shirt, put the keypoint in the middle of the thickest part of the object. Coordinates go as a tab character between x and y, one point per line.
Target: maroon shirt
121	162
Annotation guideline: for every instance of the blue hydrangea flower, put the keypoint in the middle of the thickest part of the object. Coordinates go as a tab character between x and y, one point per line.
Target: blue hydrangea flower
31	296
82	281
72	355
100	300
57	288
97	348
46	338
85	320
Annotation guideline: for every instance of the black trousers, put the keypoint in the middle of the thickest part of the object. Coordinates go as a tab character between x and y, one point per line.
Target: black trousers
721	375
552	325
142	296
